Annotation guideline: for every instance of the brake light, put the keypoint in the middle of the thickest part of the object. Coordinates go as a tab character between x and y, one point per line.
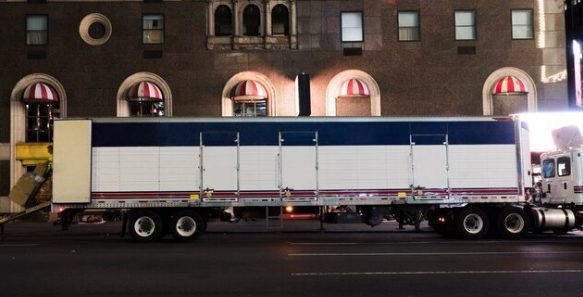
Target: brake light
441	219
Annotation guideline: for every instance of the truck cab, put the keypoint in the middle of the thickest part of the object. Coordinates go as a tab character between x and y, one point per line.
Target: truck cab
562	179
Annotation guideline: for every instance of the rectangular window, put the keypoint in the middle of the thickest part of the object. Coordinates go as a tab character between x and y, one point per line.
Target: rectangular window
522	27
548	168
351	23
37	29
408	26
564	166
153	28
465	25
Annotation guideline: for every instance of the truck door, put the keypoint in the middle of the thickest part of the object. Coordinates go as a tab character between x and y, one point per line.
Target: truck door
557	179
429	165
219	165
298	164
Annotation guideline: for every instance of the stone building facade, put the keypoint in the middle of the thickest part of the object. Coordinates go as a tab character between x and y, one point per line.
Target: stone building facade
241	58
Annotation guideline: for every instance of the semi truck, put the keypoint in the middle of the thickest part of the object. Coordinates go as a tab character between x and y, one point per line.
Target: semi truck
468	176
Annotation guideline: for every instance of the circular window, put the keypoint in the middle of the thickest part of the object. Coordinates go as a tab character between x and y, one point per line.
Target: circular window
95	29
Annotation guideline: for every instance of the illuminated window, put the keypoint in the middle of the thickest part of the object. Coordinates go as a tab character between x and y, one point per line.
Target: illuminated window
37	30
153	29
255	108
42	107
408	26
465	25
522	24
223	21
351	23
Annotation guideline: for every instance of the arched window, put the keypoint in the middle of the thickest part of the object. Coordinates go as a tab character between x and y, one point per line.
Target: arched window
280	20
223	21
42	107
249	99
146	100
251	20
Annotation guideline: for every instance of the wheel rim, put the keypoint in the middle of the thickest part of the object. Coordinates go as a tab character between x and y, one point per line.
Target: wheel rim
185	226
514	223
473	223
144	226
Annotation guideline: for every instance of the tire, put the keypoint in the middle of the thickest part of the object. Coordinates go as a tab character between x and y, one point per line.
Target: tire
145	226
512	222
472	223
186	226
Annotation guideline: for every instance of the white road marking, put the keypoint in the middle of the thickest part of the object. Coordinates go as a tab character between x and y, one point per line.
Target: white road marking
431	254
433	242
433	272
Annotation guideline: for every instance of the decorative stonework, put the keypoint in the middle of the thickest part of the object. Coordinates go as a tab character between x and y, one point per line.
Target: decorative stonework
266	38
94	18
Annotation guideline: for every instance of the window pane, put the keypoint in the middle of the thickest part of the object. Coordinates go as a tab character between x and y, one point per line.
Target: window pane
464	18
408	19
408	34
564	166
36	22
351	26
465	33
521	17
549	168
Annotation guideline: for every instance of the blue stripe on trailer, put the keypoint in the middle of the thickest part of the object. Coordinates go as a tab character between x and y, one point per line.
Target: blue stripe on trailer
338	133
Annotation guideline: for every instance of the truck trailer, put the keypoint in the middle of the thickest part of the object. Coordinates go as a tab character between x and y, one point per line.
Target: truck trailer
468	176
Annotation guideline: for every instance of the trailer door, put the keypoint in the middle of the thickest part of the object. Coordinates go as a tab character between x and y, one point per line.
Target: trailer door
219	165
298	165
429	165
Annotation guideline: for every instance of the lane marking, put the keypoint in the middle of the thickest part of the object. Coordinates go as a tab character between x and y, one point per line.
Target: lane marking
19	245
431	254
432	242
433	272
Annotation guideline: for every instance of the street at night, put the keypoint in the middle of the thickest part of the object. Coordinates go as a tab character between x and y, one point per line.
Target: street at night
250	260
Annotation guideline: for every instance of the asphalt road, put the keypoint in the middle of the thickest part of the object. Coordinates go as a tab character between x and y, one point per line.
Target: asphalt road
95	261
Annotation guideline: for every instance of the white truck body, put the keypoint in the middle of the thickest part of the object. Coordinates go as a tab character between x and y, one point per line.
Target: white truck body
105	163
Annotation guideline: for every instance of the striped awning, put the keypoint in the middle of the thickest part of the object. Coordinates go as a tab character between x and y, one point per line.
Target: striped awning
145	91
354	87
39	93
509	85
248	89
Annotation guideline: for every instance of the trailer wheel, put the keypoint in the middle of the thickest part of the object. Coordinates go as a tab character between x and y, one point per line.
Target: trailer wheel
187	225
472	223
145	226
512	222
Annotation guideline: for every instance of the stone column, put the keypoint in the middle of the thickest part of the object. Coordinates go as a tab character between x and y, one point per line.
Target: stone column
267	16
293	39
211	23
236	18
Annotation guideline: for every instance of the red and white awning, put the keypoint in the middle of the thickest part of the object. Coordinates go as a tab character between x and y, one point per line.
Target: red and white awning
248	89
39	93
509	85
354	87
145	91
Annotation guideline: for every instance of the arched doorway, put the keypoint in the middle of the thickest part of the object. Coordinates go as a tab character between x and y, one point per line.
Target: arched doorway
247	89
348	90
124	106
508	90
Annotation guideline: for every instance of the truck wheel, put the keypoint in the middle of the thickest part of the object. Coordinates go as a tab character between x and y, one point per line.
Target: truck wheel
187	225
472	223
145	226
512	222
